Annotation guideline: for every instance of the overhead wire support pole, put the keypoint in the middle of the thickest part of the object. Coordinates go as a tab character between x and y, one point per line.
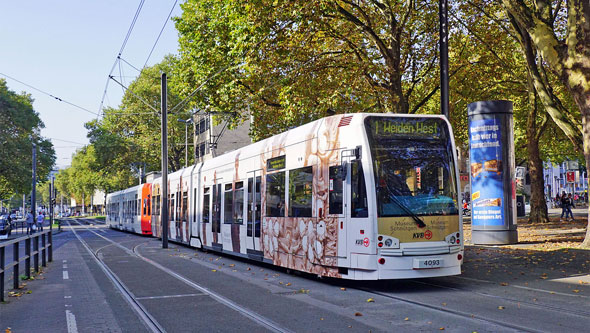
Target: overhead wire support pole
164	210
443	7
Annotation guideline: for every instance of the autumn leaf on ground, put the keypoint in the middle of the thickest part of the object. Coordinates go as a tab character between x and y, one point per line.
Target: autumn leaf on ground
358	314
501	308
231	265
343	289
370	300
213	270
504	284
406	319
576	290
248	269
288	284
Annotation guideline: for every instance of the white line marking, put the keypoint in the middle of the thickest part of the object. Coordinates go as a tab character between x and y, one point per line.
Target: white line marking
71	321
169	296
66	276
67	296
64	261
65	266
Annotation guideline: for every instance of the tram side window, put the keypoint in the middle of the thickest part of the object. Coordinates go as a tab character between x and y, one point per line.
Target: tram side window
184	216
206	204
275	194
358	205
300	192
238	206
228	198
170	206
194	211
216	218
336	185
253	196
149	205
178	203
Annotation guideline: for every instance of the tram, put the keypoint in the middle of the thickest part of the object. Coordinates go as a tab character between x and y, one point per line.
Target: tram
354	196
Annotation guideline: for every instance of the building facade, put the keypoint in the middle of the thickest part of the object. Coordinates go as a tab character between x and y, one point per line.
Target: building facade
213	140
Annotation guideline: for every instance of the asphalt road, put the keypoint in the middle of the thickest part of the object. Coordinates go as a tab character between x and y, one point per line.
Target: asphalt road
105	280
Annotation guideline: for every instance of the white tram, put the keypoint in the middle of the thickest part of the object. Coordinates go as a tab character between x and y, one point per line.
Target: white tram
358	196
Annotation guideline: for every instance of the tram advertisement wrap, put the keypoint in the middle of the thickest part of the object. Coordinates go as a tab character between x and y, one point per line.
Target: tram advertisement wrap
487	196
405	229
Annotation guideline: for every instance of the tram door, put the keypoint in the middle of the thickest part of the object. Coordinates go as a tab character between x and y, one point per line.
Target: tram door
337	203
254	212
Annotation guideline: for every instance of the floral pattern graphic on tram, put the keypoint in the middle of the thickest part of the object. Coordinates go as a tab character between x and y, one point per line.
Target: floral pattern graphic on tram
306	243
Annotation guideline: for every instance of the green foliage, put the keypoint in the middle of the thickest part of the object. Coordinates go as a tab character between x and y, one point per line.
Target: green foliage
18	129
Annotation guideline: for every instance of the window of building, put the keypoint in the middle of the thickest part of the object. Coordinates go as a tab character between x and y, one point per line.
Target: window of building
275	194
300	190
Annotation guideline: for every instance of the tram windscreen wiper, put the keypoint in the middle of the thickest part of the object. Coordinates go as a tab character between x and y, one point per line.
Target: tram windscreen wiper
408	211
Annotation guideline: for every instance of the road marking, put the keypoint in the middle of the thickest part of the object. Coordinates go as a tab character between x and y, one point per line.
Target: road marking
66	276
64	261
65	266
67	296
71	321
170	296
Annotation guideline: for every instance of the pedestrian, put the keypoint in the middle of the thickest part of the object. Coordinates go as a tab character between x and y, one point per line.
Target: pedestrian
30	222
40	219
563	205
570	205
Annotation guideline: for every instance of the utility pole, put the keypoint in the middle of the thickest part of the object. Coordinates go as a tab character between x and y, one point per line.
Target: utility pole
33	196
443	7
164	210
50	235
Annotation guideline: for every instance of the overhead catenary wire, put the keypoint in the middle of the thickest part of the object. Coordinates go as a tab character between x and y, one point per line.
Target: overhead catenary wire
48	94
159	35
117	59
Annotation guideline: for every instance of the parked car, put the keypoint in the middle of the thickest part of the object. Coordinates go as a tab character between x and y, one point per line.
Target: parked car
5	226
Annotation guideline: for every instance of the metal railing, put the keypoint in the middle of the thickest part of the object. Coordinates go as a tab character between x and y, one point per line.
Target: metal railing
46	252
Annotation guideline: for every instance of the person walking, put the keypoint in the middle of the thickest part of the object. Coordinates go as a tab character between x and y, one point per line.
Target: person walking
40	219
563	205
570	204
30	222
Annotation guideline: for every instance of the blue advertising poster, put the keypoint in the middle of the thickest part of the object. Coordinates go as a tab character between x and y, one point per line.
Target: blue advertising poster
487	193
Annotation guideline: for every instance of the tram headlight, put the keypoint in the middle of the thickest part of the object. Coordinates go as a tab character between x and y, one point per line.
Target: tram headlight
452	239
388	242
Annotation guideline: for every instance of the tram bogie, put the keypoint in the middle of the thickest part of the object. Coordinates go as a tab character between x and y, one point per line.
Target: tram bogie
363	196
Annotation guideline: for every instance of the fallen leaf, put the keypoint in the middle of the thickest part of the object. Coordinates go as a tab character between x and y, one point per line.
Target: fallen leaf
444	304
343	289
213	270
504	284
370	300
501	308
358	314
321	318
406	319
441	328
576	290
288	284
248	268
231	265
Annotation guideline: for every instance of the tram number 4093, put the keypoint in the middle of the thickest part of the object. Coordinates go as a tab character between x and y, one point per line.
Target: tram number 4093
428	263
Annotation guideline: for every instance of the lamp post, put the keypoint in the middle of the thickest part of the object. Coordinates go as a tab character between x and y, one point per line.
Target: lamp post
186	122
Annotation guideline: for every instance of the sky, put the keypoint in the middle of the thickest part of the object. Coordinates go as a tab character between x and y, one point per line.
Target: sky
67	48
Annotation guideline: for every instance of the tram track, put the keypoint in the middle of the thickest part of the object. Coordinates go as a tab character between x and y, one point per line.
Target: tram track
146	317
448	311
584	314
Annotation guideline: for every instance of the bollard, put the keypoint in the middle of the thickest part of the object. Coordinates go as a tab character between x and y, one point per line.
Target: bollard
2	274
15	257
28	257
36	252
50	241
43	252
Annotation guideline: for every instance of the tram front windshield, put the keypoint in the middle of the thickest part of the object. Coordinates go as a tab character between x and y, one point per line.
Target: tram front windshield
413	166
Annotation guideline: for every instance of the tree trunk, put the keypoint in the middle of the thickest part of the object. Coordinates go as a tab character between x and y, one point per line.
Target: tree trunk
538	200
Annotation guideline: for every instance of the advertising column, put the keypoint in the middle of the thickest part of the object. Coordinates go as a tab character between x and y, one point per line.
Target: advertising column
491	154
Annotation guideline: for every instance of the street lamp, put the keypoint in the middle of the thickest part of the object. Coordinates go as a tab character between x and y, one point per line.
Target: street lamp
186	122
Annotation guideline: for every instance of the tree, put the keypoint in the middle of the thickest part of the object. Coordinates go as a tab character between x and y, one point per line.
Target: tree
565	47
131	133
18	129
288	63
